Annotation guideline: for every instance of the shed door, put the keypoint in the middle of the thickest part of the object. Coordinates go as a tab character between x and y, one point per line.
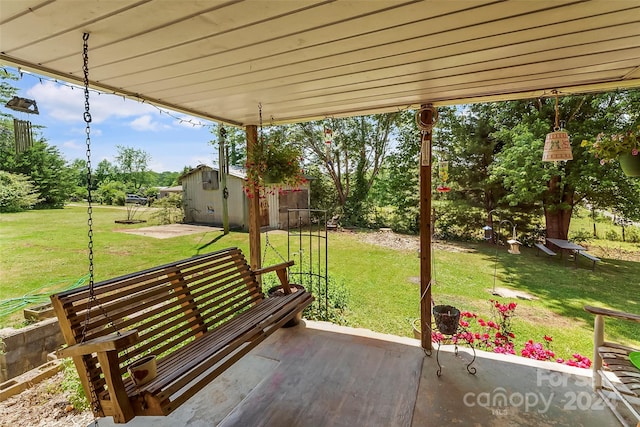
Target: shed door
264	212
290	199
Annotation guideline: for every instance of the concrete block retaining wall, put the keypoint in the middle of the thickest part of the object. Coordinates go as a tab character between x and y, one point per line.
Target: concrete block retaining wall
26	348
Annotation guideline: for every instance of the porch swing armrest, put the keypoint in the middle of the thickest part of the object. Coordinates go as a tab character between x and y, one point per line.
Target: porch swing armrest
612	313
281	271
275	267
111	342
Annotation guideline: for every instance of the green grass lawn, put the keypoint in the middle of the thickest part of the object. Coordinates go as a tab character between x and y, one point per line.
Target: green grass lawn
48	249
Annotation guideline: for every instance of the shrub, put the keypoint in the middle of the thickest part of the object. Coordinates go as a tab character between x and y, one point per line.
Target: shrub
170	210
17	192
330	306
632	235
581	236
612	235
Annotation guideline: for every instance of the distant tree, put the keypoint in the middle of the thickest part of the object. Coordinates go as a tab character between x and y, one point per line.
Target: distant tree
105	171
7	90
402	171
133	167
79	170
322	191
112	192
167	179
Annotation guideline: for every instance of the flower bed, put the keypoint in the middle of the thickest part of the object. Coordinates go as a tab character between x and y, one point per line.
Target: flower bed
497	336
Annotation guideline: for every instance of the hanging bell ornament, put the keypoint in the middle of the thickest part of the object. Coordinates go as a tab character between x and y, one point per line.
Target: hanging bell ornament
557	146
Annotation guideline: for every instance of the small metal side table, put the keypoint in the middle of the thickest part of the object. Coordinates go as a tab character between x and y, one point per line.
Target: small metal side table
449	339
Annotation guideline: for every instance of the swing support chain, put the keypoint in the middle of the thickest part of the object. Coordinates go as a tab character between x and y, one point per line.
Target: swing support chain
95	400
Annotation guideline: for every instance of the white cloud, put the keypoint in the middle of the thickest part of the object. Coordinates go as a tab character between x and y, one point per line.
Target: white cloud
66	103
144	123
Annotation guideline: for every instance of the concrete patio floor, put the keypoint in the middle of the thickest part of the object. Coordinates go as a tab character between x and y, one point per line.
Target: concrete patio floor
319	374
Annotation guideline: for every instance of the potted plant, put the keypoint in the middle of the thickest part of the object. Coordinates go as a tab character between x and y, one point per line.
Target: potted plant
273	162
620	146
447	319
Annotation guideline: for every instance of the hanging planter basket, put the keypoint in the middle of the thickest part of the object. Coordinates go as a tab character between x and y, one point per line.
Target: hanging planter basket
447	318
630	164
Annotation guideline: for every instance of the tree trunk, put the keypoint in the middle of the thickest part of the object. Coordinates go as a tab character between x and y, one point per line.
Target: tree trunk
558	207
558	222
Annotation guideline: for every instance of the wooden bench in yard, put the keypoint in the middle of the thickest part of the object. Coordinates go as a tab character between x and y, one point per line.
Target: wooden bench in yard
543	248
613	372
198	316
590	257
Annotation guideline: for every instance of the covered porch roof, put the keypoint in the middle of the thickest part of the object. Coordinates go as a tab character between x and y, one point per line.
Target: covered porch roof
310	59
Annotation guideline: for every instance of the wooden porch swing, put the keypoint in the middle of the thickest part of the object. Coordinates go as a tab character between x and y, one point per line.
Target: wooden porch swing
197	317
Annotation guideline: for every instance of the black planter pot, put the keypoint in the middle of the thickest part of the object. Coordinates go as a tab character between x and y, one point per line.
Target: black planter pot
277	291
447	318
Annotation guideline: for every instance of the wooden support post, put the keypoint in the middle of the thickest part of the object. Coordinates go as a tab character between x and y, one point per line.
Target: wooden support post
254	208
598	340
122	409
425	120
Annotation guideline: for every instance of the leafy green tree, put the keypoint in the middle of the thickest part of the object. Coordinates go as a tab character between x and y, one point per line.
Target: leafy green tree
166	179
105	171
79	170
133	166
17	192
559	188
7	90
112	192
403	187
353	160
47	169
322	192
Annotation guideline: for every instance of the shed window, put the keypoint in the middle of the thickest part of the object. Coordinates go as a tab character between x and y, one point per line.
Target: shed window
210	180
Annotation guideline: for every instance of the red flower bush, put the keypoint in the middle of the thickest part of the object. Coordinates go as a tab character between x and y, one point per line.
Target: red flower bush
497	336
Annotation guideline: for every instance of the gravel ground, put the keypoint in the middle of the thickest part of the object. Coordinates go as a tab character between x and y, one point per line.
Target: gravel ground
44	405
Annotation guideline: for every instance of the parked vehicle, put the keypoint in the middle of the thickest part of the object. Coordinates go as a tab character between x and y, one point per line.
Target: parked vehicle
138	200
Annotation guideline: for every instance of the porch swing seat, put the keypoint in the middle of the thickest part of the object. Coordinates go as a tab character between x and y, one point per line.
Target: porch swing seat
198	316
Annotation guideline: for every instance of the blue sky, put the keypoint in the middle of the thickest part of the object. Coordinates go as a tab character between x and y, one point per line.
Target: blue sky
170	138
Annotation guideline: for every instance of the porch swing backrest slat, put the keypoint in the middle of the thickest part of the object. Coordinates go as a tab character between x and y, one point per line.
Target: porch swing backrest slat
151	294
197	316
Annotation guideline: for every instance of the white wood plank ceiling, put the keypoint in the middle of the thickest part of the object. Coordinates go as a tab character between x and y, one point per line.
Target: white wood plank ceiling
305	59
